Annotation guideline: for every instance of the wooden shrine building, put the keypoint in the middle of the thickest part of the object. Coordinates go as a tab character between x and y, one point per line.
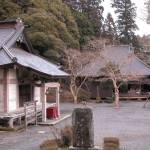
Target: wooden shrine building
130	66
24	76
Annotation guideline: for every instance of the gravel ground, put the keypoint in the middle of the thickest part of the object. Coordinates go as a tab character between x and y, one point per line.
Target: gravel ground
131	123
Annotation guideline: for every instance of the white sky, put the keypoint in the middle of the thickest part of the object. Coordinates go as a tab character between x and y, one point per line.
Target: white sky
144	28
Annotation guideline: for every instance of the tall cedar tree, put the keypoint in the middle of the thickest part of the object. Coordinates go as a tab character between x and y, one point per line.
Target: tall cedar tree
126	25
148	11
24	4
92	8
109	28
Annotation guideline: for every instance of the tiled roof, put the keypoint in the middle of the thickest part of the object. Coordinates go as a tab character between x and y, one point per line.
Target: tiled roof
5	34
121	56
37	63
8	36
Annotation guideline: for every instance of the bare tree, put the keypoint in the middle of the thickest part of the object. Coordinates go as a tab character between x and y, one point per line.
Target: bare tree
75	62
112	71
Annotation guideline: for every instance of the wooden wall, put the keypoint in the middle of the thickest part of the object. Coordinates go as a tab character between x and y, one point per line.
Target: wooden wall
37	94
13	92
1	91
9	91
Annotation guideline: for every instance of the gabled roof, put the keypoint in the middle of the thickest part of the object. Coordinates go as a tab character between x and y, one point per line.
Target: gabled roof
123	56
36	63
9	54
9	32
5	34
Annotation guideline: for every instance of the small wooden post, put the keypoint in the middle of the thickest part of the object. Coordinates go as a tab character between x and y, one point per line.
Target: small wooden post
25	115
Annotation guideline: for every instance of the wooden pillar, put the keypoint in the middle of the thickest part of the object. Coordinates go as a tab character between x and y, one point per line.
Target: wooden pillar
97	92
5	90
58	100
140	87
43	97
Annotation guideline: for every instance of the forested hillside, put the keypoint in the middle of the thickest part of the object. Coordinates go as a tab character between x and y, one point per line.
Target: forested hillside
54	25
50	24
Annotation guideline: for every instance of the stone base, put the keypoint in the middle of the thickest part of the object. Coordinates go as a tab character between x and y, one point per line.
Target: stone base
82	148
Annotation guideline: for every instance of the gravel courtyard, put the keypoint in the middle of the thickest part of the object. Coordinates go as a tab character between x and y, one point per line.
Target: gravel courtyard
131	123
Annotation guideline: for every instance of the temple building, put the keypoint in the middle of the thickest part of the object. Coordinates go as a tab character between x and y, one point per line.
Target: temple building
24	76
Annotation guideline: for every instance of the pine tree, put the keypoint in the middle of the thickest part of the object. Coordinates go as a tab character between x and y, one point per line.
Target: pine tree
9	10
92	8
95	10
109	28
126	11
148	11
74	4
24	4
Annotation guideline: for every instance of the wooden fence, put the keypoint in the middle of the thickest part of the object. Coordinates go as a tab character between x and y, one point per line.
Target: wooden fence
30	109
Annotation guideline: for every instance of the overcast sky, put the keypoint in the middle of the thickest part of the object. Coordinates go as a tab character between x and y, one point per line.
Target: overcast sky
144	28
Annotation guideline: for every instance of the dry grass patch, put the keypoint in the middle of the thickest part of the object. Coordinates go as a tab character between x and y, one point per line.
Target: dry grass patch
62	139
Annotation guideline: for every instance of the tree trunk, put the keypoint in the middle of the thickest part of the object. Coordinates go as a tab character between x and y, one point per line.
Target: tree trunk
75	99
116	98
74	94
116	94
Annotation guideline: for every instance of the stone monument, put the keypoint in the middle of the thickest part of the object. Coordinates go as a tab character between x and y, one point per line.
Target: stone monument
83	130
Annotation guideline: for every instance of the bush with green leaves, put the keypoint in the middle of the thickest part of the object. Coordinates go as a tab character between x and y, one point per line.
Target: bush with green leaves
123	87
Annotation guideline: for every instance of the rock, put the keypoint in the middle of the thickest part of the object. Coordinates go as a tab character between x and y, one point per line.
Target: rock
83	131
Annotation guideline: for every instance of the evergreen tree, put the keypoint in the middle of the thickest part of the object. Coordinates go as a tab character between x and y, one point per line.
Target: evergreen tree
91	8
9	10
126	11
50	25
24	4
86	28
148	11
109	28
95	10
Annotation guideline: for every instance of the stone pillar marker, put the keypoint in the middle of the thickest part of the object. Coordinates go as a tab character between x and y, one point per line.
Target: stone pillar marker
83	130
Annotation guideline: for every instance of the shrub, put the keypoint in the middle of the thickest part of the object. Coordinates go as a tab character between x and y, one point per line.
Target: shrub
63	137
98	99
66	136
123	88
110	99
83	95
49	145
111	143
